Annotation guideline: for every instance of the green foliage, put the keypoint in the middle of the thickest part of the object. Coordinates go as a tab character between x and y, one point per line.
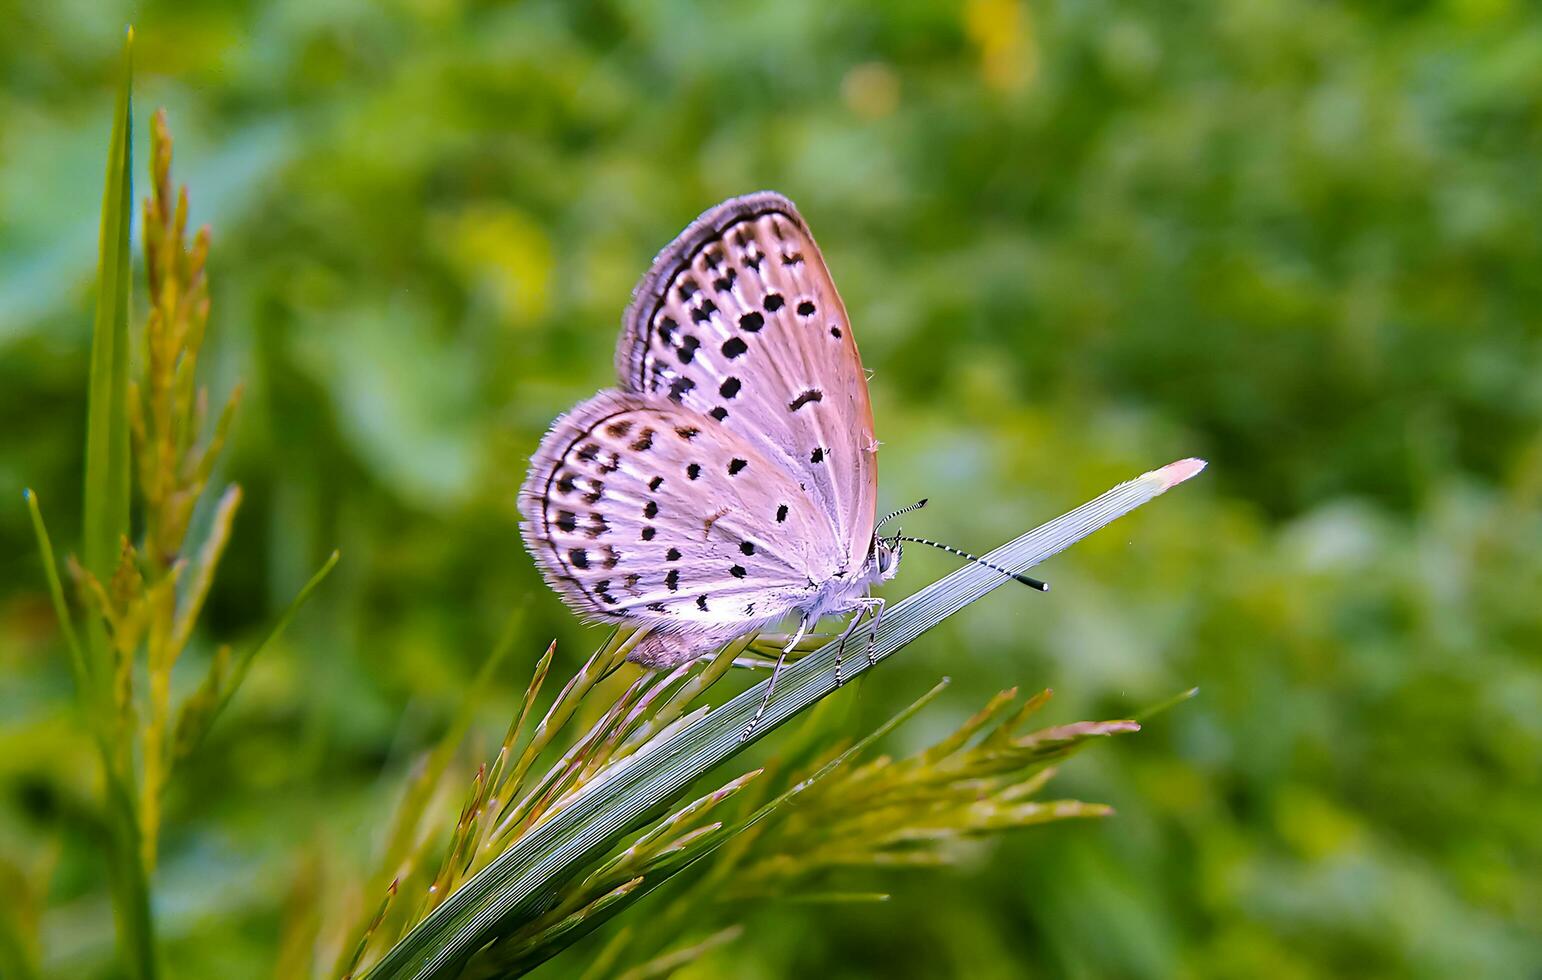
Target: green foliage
1296	238
142	600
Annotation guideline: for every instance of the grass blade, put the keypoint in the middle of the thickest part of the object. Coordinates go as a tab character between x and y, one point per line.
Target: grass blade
106	520
61	608
514	886
193	725
107	430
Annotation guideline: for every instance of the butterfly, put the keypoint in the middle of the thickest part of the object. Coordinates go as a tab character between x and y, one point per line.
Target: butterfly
731	478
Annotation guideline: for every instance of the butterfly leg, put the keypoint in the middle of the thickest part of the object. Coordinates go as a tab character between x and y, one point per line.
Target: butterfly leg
775	673
877	606
840	649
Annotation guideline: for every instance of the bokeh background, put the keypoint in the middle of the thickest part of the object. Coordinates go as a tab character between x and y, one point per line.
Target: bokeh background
1077	239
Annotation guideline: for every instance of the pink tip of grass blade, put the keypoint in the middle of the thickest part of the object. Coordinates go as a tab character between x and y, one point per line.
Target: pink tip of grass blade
1175	473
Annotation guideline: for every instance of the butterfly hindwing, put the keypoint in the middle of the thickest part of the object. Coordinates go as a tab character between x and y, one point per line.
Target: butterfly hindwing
739	321
640	510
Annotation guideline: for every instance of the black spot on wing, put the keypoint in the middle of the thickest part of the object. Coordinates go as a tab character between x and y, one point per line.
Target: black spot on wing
734	346
805	397
736	465
679	388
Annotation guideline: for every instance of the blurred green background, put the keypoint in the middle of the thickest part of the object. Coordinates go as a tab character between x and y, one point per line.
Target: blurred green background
1077	239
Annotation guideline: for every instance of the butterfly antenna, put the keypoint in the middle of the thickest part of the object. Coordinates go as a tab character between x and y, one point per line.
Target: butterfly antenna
901	512
1032	583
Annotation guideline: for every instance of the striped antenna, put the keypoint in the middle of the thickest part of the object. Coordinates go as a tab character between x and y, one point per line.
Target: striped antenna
901	512
1032	583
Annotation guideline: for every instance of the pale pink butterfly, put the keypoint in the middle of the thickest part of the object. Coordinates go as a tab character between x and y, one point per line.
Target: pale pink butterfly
732	478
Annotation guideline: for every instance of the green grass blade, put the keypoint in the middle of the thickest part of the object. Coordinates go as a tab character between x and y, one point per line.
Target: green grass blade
1161	706
61	608
193	726
514	886
280	624
106	520
107	430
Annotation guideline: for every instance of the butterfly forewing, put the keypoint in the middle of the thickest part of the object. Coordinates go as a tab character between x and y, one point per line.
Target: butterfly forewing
642	510
739	321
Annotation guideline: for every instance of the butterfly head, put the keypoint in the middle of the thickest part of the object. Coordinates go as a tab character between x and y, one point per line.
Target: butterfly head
886	557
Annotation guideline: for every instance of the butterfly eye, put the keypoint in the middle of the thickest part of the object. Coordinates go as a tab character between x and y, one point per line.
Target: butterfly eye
886	556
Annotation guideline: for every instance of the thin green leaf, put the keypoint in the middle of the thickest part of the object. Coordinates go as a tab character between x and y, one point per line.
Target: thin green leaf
513	886
558	935
663	966
967	730
837	898
203	574
1003	732
426	779
1146	714
369	931
198	725
61	608
107	433
106	521
193	716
